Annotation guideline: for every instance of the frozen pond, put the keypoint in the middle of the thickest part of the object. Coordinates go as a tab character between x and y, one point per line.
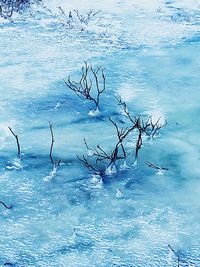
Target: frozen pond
139	216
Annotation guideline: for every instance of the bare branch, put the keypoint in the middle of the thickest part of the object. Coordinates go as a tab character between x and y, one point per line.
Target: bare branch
56	164
177	256
147	127
89	86
87	18
62	12
125	109
106	158
154	166
88	165
6	206
138	144
52	142
17	141
8	264
151	128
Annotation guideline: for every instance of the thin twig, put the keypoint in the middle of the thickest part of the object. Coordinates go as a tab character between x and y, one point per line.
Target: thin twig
7	207
154	166
175	253
56	164
17	141
88	165
138	144
86	19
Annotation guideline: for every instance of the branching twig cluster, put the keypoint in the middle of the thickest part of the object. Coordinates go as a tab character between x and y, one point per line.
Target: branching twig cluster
149	127
119	151
100	155
91	84
85	19
75	18
144	127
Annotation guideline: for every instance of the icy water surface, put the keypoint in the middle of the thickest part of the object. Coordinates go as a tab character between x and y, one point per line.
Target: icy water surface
69	217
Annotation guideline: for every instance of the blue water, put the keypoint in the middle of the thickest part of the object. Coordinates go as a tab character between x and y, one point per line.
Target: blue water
70	217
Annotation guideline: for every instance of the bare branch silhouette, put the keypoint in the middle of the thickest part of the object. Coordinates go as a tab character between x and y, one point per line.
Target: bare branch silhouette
89	86
151	128
138	144
177	256
89	165
85	19
6	206
154	166
125	109
55	164
17	141
144	127
108	159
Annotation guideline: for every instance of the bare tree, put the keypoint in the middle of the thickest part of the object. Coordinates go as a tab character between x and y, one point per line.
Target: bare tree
17	141
91	84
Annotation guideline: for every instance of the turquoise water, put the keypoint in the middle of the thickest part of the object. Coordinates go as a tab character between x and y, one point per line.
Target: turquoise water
71	217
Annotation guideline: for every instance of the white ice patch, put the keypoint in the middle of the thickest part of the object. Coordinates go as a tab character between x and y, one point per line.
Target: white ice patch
111	170
161	172
124	166
90	152
94	113
96	181
135	164
16	164
119	193
127	92
51	175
